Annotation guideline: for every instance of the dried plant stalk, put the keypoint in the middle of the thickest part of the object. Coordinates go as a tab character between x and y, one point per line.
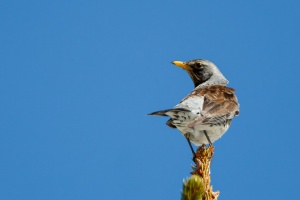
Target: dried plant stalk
198	187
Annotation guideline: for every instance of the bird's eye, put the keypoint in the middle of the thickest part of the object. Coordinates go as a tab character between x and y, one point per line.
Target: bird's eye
198	66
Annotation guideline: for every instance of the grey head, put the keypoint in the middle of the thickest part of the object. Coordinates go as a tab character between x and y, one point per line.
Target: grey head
202	72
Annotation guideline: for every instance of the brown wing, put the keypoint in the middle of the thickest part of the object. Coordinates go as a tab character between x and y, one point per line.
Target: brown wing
220	104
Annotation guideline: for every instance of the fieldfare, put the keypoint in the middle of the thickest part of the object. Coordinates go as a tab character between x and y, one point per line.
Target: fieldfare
205	114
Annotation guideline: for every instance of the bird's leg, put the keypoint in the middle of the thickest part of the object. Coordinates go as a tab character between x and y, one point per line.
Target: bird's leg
191	147
205	133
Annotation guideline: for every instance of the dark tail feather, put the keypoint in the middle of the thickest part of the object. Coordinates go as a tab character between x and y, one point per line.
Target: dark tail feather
159	113
163	112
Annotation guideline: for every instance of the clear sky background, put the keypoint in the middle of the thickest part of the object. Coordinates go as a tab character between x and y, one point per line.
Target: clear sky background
77	79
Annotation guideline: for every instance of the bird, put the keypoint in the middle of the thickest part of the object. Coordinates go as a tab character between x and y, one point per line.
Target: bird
206	113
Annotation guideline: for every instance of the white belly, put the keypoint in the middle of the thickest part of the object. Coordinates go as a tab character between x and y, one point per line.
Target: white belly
197	136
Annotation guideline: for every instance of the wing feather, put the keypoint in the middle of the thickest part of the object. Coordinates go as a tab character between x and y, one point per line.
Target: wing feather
220	104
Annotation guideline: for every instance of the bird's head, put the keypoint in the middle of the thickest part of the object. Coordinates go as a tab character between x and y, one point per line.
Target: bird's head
202	72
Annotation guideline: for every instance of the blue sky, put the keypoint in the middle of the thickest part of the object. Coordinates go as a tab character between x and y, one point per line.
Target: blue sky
78	78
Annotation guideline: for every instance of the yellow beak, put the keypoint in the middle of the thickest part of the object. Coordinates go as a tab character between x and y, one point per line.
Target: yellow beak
182	65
